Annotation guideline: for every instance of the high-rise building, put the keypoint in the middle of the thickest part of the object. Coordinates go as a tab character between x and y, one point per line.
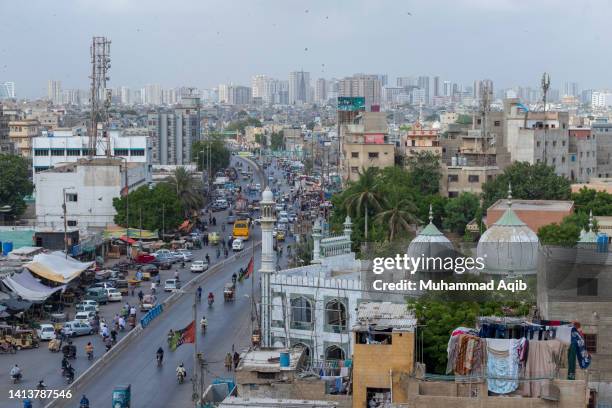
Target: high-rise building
364	85
7	90
571	89
436	86
406	82
173	132
478	85
152	94
239	95
447	88
125	95
258	86
223	93
299	87
321	91
383	78
423	83
54	91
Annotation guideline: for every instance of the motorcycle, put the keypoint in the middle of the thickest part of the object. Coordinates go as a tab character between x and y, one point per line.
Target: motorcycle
210	302
180	377
90	355
203	325
160	359
16	378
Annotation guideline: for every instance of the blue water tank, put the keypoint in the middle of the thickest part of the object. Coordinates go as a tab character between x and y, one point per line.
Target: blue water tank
7	247
284	359
602	242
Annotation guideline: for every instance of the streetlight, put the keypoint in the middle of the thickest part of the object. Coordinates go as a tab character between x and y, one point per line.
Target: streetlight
127	203
65	220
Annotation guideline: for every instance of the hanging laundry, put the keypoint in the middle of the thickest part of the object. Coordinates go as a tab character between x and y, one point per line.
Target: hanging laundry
502	366
583	356
541	366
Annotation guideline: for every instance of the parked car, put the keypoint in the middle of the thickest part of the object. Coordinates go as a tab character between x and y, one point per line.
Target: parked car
113	295
77	328
162	252
172	284
46	332
237	245
97	294
86	308
103	285
86	317
122	286
257	186
279	207
199	266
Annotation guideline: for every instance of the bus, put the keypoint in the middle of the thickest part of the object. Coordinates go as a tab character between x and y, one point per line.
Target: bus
241	229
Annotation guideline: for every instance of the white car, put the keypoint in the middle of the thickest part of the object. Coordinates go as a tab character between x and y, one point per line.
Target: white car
76	328
283	220
171	285
46	332
186	255
86	317
113	295
89	302
258	186
199	266
237	245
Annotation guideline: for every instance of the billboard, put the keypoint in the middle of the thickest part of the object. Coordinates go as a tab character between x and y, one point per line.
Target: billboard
374	138
351	103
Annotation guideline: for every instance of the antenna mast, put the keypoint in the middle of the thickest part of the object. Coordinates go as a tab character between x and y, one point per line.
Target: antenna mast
100	96
485	97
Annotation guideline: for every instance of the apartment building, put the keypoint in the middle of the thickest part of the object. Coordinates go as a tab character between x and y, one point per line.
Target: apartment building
420	139
21	133
367	86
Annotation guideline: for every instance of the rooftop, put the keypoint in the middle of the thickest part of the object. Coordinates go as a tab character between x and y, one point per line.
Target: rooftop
533	205
274	402
385	315
268	360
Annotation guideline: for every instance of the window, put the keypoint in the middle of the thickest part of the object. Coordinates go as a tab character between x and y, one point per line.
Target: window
587	287
453	178
58	152
73	152
453	194
373	155
538	144
563	159
355	155
41	152
473	178
121	152
86	152
334	353
563	143
554	143
137	152
71	223
71	197
590	341
335	316
554	160
497	123
381	336
588	154
301	313
266	376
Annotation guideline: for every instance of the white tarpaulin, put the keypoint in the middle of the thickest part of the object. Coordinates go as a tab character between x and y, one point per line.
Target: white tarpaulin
56	267
28	287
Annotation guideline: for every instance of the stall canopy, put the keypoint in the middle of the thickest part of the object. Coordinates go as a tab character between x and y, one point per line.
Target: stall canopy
28	287
118	232
56	267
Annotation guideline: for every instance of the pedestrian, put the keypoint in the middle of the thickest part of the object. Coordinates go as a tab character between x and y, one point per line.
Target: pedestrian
132	289
132	311
228	361
214	221
176	274
140	295
226	252
236	359
121	323
113	335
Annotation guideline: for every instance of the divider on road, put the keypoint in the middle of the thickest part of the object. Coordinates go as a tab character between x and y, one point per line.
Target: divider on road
151	314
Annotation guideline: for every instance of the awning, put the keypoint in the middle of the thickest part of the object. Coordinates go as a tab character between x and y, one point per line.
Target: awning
118	232
56	267
28	287
16	305
127	240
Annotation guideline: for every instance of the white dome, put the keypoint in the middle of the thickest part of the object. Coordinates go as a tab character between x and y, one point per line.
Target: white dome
267	195
509	246
430	242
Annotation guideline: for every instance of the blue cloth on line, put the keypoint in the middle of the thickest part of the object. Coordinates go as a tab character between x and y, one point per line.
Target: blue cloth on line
503	369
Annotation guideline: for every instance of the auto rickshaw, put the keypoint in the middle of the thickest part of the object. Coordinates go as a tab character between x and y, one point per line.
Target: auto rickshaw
228	292
55	345
213	238
25	338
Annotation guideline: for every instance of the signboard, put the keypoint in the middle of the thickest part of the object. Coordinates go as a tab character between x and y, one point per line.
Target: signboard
351	103
374	138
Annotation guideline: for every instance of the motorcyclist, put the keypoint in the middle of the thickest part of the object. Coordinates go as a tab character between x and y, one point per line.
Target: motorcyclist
160	355
180	371
170	335
108	342
41	385
234	277
69	373
203	323
89	349
84	403
16	372
211	298
207	259
199	290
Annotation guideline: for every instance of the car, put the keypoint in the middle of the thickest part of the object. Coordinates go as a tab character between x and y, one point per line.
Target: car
283	214
279	207
231	219
164	261
283	220
213	238
257	186
171	285
282	226
221	203
89	302
77	328
103	285
46	332
198	266
184	255
86	317
162	252
237	245
97	294
85	308
148	303
114	295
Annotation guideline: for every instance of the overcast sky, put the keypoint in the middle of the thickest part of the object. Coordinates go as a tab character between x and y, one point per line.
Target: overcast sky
207	42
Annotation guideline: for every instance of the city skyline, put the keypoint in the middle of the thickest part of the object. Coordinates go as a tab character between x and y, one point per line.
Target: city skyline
276	38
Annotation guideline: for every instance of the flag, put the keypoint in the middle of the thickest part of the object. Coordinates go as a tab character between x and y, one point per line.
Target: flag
249	270
186	335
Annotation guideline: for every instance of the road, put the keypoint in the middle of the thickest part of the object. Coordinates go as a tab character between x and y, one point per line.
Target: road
230	327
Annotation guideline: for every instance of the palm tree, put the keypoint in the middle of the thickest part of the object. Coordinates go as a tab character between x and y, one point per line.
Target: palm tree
187	191
398	214
364	194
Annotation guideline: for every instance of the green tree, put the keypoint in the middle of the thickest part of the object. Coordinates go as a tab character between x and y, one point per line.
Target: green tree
460	211
187	190
364	196
15	183
240	125
529	182
565	234
438	207
219	154
587	199
261	139
277	141
397	215
160	208
425	172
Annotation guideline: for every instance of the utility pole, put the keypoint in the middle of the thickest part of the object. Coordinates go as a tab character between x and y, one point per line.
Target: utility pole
65	220
163	220
197	391
140	233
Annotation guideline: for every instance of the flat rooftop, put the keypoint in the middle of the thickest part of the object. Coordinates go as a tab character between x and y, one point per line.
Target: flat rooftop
533	205
268	360
385	315
235	402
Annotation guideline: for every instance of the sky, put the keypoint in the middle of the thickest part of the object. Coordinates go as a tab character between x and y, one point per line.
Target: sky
206	42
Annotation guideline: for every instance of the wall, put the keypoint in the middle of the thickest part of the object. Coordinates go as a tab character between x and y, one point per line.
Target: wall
305	389
396	358
535	219
386	158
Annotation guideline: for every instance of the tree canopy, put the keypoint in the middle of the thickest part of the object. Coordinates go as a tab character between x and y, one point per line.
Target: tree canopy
160	206
277	141
529	182
460	211
425	172
240	125
219	154
587	199
15	183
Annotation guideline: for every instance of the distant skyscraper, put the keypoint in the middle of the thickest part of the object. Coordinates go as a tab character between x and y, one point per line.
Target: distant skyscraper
404	82
478	84
299	87
54	92
239	95
571	89
447	88
321	91
383	78
423	83
364	85
223	93
7	90
125	95
436	86
153	94
258	86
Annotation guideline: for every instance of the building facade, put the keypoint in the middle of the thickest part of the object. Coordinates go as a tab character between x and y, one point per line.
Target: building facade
299	87
22	133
